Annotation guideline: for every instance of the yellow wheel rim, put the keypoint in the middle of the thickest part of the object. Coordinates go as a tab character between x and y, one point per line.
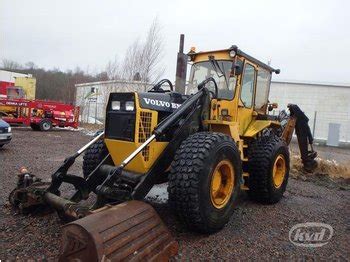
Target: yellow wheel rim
279	171
222	183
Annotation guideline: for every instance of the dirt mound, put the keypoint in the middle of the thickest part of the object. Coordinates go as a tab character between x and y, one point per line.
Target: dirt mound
327	171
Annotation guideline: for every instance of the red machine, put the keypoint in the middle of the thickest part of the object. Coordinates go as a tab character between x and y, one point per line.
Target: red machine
39	114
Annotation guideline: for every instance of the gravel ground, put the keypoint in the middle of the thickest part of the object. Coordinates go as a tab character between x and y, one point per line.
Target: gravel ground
255	232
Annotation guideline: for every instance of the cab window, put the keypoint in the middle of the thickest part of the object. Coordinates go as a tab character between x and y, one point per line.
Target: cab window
262	88
248	86
220	70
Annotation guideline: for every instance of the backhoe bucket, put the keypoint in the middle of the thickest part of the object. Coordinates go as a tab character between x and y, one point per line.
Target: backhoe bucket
129	231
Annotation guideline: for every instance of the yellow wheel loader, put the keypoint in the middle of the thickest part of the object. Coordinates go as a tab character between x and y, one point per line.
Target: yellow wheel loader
208	144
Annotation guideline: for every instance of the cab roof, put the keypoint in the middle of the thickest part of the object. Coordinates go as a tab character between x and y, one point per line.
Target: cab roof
240	53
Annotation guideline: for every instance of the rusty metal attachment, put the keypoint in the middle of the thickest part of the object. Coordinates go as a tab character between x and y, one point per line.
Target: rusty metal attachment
29	191
289	130
131	231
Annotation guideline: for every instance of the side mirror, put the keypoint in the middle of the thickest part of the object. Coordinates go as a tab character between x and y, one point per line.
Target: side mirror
272	106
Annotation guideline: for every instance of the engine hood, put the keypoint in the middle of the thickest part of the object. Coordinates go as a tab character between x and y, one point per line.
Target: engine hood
167	102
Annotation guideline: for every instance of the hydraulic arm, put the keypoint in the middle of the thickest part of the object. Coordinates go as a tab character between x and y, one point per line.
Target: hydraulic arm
299	121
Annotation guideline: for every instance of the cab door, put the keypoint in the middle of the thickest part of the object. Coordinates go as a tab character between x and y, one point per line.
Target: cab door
246	99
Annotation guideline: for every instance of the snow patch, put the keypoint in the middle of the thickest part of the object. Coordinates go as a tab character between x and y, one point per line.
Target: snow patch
92	120
73	129
158	194
88	132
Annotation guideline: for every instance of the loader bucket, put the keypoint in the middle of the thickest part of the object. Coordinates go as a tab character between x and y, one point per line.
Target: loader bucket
129	231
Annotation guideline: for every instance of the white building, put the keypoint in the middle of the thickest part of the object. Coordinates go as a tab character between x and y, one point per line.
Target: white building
323	103
93	97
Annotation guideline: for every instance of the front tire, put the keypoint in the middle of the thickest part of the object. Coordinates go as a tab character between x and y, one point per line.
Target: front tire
45	125
204	181
268	167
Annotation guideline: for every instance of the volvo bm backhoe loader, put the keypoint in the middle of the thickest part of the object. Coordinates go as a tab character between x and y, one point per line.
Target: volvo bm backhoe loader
209	144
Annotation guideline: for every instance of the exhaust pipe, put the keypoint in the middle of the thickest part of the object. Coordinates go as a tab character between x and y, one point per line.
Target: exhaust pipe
181	68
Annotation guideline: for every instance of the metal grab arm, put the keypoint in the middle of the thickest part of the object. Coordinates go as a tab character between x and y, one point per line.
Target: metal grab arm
304	136
61	172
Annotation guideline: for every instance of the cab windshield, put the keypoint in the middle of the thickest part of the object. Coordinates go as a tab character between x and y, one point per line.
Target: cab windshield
220	70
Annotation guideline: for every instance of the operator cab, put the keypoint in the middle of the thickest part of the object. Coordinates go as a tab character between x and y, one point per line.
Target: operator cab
231	68
243	84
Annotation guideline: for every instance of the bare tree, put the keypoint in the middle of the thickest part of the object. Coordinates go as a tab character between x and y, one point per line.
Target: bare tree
113	69
8	64
151	55
143	59
30	65
132	64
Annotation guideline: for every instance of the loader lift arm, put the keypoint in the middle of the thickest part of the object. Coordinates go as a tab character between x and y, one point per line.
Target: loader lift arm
191	111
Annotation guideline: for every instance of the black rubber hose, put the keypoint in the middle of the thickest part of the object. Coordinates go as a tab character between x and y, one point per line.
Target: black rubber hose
157	86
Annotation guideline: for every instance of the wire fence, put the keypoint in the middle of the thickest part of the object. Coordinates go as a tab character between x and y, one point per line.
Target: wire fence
93	113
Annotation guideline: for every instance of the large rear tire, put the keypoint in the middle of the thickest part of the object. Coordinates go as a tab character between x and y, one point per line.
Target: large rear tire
93	156
204	181
268	168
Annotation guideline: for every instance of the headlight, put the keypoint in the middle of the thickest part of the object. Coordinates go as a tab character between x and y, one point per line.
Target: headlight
9	129
115	105
232	53
129	105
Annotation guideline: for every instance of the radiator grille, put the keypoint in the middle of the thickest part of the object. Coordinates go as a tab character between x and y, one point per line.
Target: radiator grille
145	130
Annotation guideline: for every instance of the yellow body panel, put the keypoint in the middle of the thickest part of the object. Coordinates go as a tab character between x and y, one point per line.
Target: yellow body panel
245	116
146	121
7	109
221	54
120	150
218	106
228	128
28	85
258	125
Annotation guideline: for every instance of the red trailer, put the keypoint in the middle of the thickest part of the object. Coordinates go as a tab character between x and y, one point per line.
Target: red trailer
38	114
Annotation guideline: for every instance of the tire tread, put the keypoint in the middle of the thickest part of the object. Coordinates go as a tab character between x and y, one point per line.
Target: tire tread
184	180
93	156
260	155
